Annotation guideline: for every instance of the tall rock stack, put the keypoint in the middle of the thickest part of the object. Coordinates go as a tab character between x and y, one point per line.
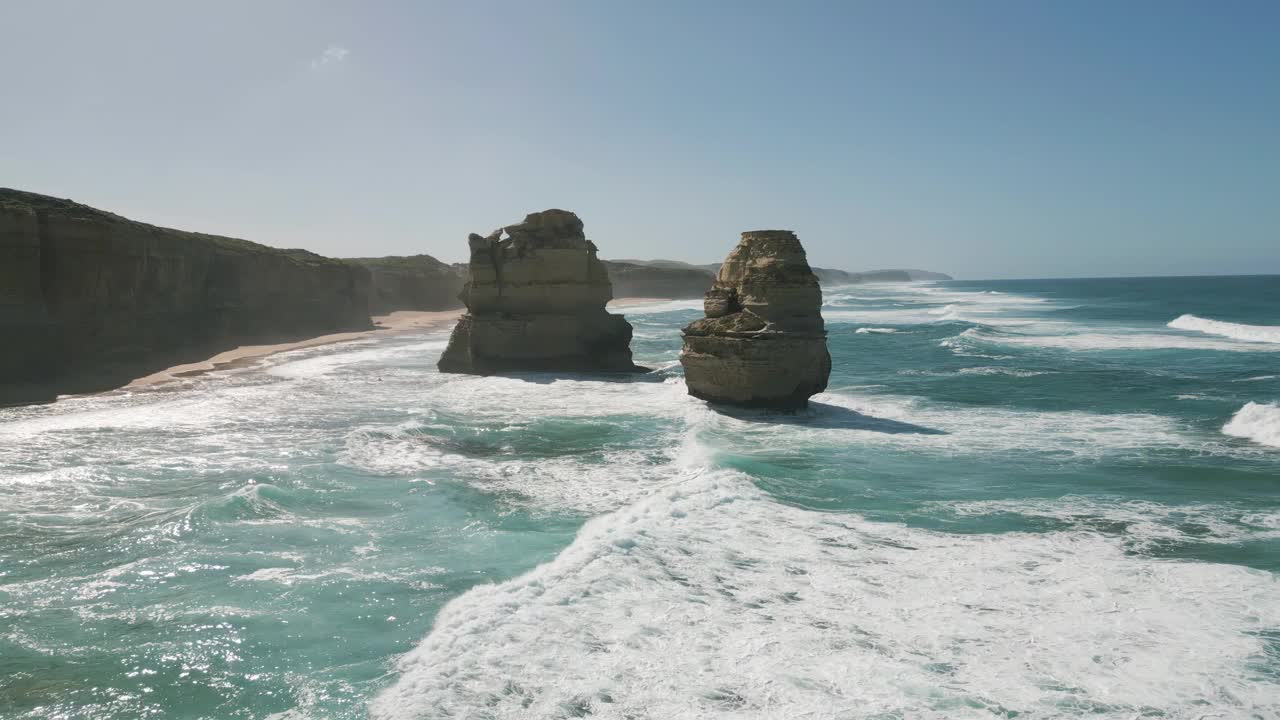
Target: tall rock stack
535	298
762	342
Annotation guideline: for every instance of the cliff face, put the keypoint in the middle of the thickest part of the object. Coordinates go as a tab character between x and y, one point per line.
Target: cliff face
90	300
535	300
762	342
652	281
417	282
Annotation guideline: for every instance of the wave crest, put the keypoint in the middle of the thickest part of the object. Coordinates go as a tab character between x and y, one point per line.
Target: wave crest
1257	422
708	599
1235	331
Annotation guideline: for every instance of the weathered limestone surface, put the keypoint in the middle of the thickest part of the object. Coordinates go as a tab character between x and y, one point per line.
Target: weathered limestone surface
762	342
535	300
90	300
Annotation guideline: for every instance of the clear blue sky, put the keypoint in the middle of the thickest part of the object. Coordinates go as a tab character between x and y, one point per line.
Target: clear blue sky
984	139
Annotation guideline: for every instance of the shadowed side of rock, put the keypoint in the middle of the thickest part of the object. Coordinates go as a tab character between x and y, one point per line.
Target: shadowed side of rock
90	300
535	298
762	342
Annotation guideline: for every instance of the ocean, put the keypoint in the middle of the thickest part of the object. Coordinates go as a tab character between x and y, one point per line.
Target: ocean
1034	499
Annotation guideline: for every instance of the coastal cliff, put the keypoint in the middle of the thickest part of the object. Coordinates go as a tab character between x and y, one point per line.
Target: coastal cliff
637	280
763	342
90	300
416	282
535	297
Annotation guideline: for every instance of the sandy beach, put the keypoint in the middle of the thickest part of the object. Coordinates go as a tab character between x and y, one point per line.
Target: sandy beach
623	302
401	321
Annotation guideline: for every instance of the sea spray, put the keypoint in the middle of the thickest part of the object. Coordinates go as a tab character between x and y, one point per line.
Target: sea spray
1236	331
1257	422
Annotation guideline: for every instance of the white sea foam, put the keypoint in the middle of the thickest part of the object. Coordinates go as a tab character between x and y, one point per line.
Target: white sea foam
913	304
308	363
1140	525
919	426
594	481
1236	331
1257	422
657	307
1011	372
879	330
708	599
1118	340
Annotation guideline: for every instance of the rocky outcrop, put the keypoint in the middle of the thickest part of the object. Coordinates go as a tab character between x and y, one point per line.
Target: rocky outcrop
416	282
652	281
535	297
762	342
90	300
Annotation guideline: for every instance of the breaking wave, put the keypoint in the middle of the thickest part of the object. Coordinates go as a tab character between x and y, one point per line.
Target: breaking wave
1235	331
709	599
1257	422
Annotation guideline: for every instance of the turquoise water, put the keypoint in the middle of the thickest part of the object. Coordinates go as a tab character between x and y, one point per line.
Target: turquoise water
1017	499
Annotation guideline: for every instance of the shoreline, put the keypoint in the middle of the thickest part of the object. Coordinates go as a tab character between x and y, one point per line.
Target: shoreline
396	323
625	301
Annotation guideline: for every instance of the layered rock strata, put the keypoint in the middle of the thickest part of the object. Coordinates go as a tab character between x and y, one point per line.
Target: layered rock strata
90	300
762	342
535	297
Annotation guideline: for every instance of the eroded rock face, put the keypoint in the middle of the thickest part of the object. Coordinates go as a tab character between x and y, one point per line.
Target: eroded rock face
90	300
535	300
762	342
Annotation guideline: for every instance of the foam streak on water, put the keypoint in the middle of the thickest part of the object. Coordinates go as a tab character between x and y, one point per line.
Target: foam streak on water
1238	331
707	599
1023	498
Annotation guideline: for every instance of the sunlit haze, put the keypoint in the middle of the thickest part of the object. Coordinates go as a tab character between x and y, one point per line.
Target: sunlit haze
994	139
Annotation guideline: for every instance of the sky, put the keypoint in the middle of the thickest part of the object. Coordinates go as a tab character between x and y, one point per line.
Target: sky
984	139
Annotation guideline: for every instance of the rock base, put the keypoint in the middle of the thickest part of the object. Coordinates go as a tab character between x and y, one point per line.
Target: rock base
768	371
487	344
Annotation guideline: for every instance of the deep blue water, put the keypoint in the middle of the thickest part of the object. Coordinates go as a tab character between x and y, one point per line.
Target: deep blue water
1017	499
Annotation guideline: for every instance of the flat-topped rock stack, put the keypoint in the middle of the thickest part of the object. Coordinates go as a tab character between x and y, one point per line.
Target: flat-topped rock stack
535	298
762	342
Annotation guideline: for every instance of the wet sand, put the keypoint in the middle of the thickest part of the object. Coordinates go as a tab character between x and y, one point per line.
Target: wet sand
401	321
623	302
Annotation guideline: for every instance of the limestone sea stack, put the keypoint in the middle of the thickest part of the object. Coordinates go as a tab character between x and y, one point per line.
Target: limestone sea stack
762	342
535	297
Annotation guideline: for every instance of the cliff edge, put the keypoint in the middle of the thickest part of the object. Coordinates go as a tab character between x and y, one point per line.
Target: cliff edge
90	300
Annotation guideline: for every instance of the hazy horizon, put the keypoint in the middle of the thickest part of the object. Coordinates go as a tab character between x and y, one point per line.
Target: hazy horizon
1000	141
